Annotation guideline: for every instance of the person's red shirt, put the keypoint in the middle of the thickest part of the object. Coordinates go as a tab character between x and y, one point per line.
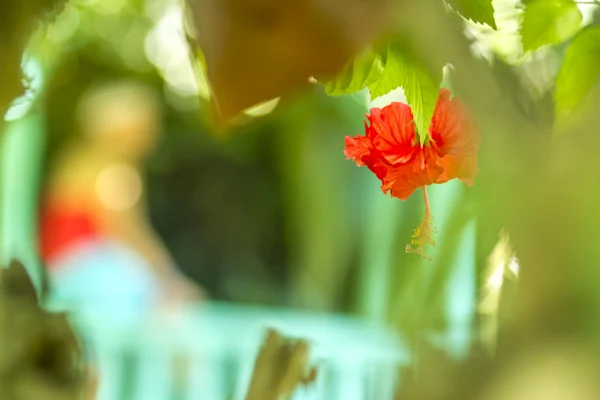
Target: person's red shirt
62	227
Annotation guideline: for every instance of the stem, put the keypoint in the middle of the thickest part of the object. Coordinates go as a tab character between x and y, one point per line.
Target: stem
427	206
424	234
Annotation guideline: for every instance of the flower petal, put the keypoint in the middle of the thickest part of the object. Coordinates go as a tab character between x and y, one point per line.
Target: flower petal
392	151
446	123
464	169
360	149
357	148
392	132
402	180
455	139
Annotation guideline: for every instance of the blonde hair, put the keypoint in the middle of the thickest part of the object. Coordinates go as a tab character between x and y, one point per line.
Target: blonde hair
105	104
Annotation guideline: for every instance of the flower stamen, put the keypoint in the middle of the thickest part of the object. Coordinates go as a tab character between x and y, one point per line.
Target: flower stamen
424	234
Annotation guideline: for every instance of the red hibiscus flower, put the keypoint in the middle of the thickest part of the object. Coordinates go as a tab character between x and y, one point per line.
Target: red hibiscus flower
392	151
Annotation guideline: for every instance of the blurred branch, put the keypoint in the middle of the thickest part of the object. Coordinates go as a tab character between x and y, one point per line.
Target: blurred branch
535	185
280	366
40	357
258	50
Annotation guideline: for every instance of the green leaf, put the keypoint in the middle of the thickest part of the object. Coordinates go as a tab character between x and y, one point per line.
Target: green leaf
387	67
359	73
480	11
579	72
420	88
549	22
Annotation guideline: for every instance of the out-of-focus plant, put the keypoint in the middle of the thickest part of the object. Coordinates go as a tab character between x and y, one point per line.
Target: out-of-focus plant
538	173
255	51
17	22
40	356
538	165
281	365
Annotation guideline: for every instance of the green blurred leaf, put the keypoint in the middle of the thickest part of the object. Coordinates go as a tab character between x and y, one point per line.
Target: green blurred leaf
359	73
16	25
420	88
549	22
387	68
480	11
579	72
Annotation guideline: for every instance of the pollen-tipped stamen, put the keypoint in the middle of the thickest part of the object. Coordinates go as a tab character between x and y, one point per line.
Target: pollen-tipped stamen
424	234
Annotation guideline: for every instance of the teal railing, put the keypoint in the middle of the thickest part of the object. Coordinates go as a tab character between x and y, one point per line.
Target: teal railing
207	352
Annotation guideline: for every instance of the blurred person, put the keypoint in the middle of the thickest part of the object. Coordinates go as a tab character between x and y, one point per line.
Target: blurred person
96	240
